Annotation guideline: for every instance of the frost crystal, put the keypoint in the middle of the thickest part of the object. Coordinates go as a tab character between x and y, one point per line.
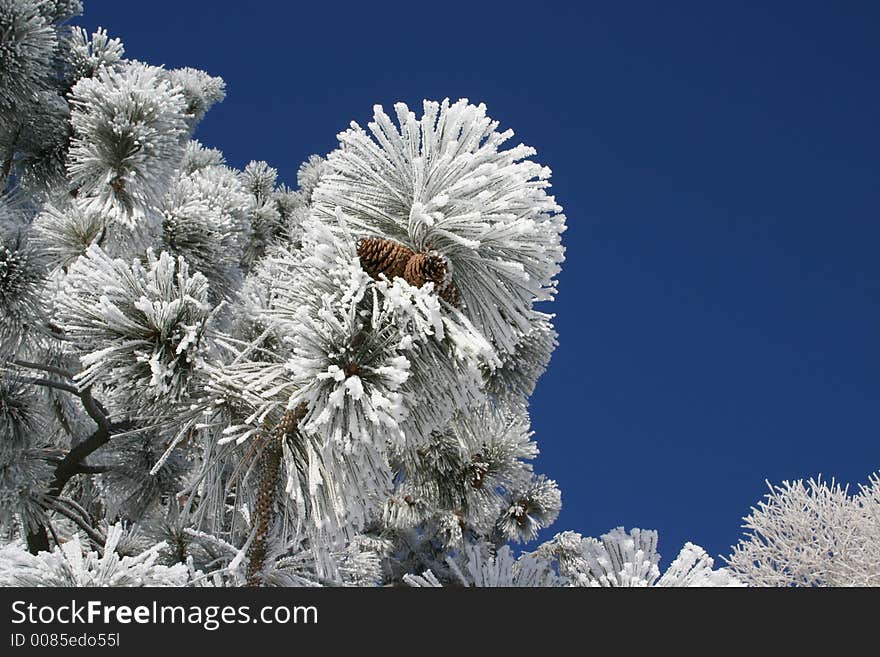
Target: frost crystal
21	284
128	128
812	534
27	43
139	329
64	232
204	222
200	90
89	54
621	559
70	565
321	384
442	182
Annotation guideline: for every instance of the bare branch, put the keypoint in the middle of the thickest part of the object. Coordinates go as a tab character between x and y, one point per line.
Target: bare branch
71	515
78	508
49	383
67	374
70	464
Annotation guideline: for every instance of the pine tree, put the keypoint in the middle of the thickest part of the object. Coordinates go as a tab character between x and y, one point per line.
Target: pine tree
209	377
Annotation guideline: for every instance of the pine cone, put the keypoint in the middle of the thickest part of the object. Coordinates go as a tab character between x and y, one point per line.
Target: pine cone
289	421
269	471
450	294
424	267
381	256
264	507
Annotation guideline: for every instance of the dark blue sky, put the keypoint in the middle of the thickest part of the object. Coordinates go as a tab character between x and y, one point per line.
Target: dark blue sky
719	167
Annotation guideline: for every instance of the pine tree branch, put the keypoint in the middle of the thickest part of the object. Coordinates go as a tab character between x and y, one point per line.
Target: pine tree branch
72	463
92	406
98	413
54	533
78	508
78	519
67	374
50	383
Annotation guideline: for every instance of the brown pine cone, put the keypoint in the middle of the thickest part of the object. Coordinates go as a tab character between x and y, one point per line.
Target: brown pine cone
289	421
268	474
269	470
450	294
424	267
381	256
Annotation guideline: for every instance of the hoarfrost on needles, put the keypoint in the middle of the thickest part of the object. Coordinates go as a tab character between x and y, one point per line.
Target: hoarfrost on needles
325	384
